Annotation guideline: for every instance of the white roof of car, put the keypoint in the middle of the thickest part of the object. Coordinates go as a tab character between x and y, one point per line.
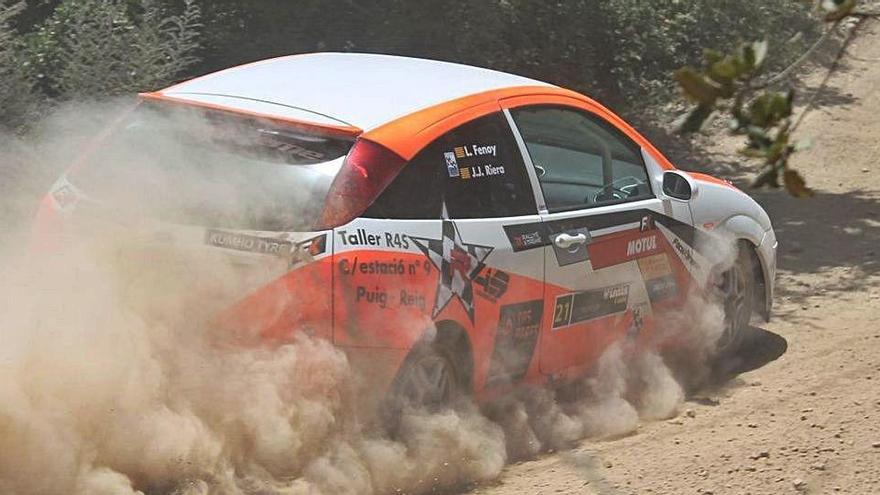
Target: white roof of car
360	90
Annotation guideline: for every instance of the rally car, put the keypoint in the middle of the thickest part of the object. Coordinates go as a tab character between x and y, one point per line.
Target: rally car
453	229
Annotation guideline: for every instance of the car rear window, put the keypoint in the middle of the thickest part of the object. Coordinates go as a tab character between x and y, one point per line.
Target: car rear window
212	168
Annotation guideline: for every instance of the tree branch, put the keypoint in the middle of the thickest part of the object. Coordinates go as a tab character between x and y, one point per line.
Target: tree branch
835	65
785	73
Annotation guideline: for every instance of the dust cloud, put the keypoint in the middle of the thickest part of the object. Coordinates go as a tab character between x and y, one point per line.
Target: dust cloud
114	381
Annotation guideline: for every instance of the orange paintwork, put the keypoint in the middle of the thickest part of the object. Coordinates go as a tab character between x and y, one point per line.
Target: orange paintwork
327	298
298	301
407	135
710	179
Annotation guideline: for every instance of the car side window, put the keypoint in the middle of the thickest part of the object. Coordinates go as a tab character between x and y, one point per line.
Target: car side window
581	160
475	170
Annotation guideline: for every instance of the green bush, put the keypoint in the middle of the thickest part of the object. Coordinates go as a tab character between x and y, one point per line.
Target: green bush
622	51
611	48
654	37
93	48
17	98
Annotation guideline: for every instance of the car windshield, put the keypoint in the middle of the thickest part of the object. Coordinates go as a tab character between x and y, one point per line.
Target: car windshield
216	169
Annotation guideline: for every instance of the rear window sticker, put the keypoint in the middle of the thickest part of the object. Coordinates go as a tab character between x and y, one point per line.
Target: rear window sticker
476	156
451	164
476	150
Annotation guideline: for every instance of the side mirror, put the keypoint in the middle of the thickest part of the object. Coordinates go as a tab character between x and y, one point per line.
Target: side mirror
677	185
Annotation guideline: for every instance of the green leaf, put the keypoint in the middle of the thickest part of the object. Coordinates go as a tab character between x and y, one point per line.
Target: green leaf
760	49
724	71
712	56
696	87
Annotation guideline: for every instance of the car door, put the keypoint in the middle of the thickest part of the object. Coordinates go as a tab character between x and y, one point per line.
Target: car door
457	208
608	264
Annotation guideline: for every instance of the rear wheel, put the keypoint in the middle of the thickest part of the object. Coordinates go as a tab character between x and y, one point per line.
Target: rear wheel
431	379
735	291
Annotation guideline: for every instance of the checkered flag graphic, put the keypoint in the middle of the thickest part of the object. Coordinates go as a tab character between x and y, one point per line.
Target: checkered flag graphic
458	264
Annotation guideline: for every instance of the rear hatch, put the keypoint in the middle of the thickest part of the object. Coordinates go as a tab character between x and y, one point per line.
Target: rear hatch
185	190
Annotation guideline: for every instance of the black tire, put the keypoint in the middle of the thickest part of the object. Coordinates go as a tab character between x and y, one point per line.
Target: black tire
430	379
736	292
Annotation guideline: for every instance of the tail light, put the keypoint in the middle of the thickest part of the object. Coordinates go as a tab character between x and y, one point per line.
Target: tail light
366	172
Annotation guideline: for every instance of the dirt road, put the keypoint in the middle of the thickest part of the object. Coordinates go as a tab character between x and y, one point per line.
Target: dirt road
807	419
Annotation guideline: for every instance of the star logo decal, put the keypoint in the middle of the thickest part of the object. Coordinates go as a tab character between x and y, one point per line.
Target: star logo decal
458	264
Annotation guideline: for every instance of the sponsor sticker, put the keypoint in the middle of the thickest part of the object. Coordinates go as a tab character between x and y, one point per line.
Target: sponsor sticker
580	307
361	237
458	262
526	236
695	263
475	150
624	248
247	243
382	267
451	164
475	156
515	340
659	281
493	283
655	266
661	289
385	299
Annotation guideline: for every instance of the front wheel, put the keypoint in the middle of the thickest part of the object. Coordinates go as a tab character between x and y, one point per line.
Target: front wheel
735	292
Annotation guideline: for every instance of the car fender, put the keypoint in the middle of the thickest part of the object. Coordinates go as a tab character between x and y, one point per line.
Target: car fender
719	201
743	227
723	208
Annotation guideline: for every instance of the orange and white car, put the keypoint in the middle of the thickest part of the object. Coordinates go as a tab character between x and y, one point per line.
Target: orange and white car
451	228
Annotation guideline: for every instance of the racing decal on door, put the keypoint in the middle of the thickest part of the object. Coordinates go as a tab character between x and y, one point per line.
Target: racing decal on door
459	264
515	340
493	283
616	231
697	265
525	236
623	248
659	280
580	307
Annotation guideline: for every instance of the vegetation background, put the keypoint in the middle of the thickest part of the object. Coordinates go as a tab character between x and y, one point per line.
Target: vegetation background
621	51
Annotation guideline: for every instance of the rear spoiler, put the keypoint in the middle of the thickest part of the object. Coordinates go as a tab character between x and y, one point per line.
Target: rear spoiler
315	127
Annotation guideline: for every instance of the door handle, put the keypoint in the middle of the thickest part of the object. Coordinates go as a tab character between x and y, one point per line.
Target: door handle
566	241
